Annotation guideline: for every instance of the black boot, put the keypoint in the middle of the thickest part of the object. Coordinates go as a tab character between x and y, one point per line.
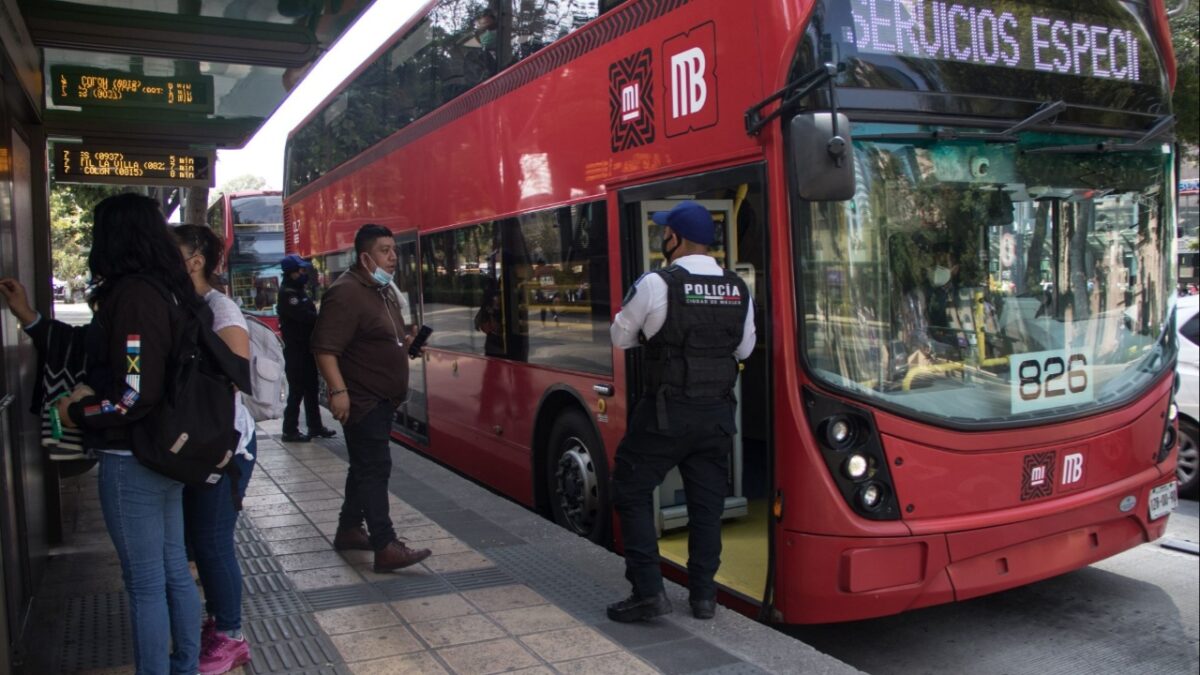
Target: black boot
294	437
703	608
638	608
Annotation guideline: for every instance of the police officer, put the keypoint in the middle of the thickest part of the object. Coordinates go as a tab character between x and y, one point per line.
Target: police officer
297	315
696	321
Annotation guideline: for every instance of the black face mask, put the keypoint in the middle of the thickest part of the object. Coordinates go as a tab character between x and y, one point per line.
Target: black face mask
668	252
301	280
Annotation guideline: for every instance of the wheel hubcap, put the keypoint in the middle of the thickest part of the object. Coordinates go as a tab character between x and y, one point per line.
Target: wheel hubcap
1189	457
577	487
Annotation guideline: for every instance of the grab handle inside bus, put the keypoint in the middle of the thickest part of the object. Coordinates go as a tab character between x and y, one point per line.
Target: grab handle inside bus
822	173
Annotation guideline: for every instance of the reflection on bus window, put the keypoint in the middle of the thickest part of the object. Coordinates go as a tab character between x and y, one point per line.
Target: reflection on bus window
463	296
561	273
957	263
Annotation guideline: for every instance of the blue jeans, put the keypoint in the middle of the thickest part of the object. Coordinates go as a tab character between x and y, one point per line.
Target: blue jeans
209	520
144	514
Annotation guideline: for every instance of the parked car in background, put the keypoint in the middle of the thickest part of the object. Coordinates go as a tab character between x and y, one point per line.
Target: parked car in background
1187	320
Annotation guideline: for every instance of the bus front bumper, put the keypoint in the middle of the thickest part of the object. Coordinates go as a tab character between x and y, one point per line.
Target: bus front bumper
851	578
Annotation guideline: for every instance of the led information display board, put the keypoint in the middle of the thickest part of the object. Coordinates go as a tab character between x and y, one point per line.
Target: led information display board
1004	33
95	87
74	163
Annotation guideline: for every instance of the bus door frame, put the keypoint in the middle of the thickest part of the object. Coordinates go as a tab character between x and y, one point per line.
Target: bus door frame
416	427
634	248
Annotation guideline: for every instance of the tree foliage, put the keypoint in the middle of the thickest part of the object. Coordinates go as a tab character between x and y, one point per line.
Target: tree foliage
71	225
1186	99
244	182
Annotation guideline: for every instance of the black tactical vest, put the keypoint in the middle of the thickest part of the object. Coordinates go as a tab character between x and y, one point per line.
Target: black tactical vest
692	355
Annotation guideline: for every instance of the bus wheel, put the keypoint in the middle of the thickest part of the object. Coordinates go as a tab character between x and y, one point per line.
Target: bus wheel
578	477
1189	458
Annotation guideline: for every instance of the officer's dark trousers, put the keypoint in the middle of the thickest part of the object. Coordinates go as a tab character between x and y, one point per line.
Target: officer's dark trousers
301	370
699	441
368	442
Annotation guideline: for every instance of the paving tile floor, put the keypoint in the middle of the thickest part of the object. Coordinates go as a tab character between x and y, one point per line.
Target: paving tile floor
310	609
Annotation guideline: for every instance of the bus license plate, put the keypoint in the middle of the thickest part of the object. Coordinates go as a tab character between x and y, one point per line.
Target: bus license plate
1163	500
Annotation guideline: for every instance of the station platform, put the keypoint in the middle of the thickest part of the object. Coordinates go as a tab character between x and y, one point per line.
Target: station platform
504	591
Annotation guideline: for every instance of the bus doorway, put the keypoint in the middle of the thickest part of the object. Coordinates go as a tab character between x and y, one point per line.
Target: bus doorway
735	200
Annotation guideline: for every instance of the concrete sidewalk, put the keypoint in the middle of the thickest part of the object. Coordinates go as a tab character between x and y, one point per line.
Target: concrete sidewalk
505	590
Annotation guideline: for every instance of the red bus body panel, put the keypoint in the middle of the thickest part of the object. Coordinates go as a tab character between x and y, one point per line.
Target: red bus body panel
545	142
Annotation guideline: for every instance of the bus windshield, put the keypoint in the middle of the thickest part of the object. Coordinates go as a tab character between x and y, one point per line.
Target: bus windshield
255	252
980	283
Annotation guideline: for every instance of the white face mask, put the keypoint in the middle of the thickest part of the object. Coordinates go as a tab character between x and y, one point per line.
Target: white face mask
939	276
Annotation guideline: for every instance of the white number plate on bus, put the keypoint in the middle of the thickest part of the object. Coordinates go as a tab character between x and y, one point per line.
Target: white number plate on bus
1041	380
1163	500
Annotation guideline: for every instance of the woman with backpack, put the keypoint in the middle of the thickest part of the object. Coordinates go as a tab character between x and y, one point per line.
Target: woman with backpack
209	512
135	266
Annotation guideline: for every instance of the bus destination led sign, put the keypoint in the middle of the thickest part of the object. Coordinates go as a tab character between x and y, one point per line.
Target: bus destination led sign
132	166
1003	34
87	87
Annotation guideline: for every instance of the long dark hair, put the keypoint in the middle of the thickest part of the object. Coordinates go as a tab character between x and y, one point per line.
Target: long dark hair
201	239
130	236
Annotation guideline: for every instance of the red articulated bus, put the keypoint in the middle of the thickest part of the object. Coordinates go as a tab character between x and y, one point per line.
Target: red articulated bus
251	223
956	218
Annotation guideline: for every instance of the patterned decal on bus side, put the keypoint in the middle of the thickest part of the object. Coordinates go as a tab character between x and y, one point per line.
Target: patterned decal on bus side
631	101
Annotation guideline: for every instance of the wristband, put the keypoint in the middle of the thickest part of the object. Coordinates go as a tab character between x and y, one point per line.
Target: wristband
335	392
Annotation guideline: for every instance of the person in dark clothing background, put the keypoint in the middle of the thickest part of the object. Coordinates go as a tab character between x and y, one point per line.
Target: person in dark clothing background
696	322
297	316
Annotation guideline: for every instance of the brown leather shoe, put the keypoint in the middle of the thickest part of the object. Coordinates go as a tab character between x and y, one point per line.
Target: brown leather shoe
396	555
355	539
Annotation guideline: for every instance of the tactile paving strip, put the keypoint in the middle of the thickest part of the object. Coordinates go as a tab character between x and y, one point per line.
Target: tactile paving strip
406	589
96	632
554	579
255	566
289	645
254	549
468	580
272	604
271	583
342	596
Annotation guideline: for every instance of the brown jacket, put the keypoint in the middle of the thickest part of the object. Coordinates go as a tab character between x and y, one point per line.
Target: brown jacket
361	323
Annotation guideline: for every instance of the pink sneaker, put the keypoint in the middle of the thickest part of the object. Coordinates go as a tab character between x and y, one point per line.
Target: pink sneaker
223	654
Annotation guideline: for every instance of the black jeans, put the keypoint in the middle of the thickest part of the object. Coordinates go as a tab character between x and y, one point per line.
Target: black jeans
368	443
301	370
699	442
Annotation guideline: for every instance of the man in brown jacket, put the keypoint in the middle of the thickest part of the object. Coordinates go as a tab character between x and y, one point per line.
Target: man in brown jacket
361	345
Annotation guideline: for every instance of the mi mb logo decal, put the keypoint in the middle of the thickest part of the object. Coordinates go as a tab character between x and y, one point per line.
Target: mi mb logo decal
690	60
631	101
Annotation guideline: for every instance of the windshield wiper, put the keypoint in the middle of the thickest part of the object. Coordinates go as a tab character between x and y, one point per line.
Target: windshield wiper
1164	125
1009	135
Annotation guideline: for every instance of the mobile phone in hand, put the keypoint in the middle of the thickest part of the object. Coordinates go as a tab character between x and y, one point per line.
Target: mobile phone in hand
414	349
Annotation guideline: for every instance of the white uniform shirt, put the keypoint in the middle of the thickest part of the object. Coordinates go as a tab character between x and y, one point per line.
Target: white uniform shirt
646	311
226	314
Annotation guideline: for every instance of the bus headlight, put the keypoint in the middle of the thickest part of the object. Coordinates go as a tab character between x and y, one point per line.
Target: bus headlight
839	432
871	496
856	466
1172	411
1168	440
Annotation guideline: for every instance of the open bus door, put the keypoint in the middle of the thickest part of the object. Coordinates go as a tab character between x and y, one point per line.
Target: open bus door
736	200
412	418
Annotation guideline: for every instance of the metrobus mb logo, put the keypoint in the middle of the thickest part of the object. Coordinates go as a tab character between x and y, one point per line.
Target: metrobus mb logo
631	101
691	80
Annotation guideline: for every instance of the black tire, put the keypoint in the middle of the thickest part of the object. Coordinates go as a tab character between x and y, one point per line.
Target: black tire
1189	458
577	477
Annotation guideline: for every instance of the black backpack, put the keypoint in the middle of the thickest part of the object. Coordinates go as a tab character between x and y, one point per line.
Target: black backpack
189	436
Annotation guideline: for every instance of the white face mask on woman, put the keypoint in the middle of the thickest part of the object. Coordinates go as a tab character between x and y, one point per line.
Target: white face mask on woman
939	276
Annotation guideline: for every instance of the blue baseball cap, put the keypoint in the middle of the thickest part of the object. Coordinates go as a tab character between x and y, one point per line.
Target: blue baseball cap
690	221
293	263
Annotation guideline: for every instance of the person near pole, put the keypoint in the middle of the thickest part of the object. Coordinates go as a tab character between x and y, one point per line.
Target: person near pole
297	316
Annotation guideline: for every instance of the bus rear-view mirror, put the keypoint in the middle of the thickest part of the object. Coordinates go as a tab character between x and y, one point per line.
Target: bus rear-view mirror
823	157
